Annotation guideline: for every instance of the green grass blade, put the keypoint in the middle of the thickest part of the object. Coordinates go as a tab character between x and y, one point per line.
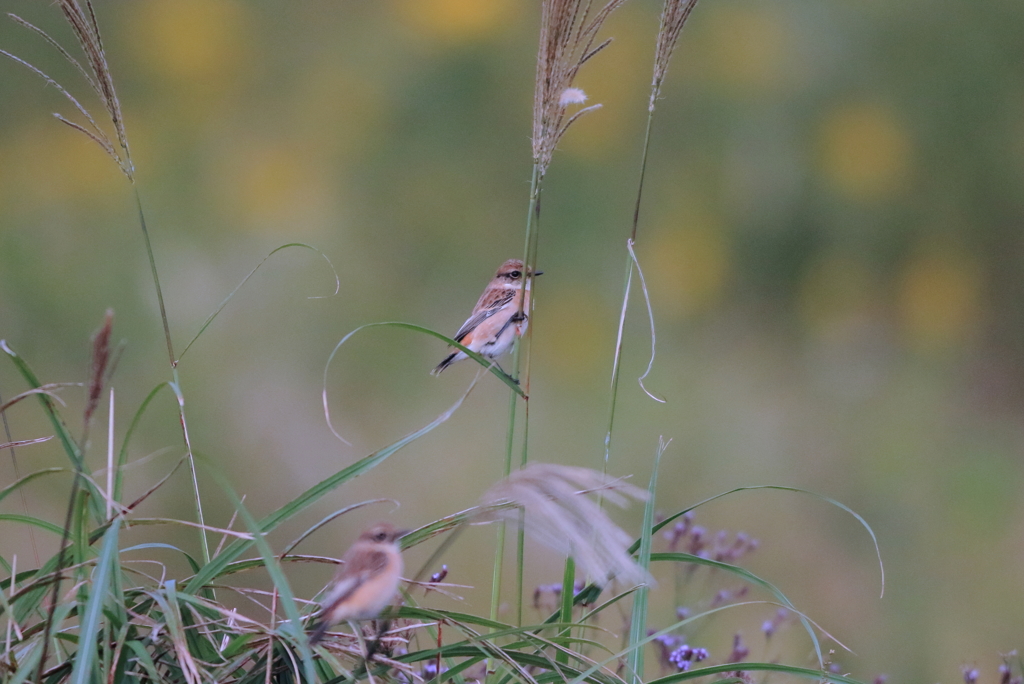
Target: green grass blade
74	454
29	520
122	457
801	672
651	637
216	566
85	656
293	627
822	497
638	620
9	489
66	440
746	575
486	363
156	276
144	659
565	611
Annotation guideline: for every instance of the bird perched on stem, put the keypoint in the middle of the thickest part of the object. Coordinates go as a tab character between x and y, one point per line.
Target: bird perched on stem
497	319
366	583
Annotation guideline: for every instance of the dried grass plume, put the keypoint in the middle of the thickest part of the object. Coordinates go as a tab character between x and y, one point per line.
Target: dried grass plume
561	515
568	32
673	17
82	21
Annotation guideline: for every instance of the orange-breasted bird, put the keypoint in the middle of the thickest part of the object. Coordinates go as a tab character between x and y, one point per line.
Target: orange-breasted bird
496	320
366	583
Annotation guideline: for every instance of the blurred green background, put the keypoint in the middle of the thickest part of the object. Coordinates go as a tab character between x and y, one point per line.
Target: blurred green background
832	234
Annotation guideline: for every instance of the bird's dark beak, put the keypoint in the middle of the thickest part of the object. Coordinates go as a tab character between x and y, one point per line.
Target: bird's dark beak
537	273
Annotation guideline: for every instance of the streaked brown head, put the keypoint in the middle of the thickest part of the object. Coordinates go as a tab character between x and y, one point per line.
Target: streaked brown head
512	271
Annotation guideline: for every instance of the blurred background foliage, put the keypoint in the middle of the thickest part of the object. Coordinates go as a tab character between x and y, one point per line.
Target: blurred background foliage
833	233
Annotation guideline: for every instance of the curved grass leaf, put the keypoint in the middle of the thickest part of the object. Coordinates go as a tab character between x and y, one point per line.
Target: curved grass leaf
826	499
160	545
677	557
233	550
29	520
489	365
523	660
74	454
67	441
802	672
122	457
667	630
336	514
9	489
209	319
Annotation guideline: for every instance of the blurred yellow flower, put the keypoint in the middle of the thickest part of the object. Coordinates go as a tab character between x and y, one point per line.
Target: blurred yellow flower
940	297
457	20
687	264
200	46
746	48
273	186
865	152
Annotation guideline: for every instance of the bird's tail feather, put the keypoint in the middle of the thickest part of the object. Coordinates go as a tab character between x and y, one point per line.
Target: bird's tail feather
317	635
449	360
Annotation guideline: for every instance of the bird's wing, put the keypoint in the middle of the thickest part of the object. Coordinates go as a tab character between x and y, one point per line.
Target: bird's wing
357	570
492	303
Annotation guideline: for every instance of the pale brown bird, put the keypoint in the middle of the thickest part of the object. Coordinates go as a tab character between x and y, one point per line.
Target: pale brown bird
495	322
366	583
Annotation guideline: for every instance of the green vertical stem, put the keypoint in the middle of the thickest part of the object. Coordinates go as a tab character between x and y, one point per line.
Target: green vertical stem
156	280
616	363
520	555
643	172
533	213
616	367
176	387
568	595
530	259
176	383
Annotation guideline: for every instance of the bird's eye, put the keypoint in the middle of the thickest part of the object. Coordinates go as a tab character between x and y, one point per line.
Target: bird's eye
381	536
516	274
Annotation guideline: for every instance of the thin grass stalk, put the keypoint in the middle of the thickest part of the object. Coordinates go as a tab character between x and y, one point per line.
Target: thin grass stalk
612	402
176	382
532	217
156	279
617	360
176	388
530	259
568	593
638	619
110	456
521	561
